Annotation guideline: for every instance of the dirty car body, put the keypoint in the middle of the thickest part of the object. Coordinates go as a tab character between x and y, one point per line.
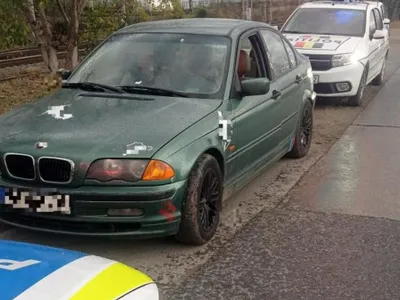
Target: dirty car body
31	271
154	129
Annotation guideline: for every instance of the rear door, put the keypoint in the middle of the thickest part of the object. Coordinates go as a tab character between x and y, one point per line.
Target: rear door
384	16
286	79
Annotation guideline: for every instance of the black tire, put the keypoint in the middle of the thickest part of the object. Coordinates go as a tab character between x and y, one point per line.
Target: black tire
378	80
358	98
304	132
202	203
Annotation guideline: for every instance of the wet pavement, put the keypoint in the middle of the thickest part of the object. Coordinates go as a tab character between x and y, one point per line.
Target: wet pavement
361	174
287	254
337	233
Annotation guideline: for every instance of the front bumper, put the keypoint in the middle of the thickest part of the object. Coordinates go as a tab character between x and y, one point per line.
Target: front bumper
328	80
89	206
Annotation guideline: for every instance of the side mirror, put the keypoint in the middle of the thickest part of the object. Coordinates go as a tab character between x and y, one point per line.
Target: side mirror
65	74
255	86
386	21
378	35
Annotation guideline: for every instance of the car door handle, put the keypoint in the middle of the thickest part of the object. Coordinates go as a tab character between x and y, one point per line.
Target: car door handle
276	94
298	79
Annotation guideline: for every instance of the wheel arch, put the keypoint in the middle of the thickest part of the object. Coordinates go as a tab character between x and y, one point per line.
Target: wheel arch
214	152
185	160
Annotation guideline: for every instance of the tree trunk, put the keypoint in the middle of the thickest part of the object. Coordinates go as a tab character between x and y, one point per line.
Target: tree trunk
123	13
43	35
71	59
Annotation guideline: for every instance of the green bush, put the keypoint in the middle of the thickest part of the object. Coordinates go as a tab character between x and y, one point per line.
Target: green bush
14	31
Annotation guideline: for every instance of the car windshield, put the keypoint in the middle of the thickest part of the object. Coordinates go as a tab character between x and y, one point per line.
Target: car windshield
332	21
187	63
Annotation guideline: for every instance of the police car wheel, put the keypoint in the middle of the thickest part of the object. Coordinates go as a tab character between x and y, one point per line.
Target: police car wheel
202	202
358	98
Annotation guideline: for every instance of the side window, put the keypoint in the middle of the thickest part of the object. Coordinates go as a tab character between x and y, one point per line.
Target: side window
378	19
277	55
250	64
291	54
372	24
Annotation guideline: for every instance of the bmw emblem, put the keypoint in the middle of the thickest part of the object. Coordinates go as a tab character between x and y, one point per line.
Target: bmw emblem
41	145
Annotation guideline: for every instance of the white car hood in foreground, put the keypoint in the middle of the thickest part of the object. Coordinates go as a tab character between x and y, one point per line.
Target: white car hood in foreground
323	44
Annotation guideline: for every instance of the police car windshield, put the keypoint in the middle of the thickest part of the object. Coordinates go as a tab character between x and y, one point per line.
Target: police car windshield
333	21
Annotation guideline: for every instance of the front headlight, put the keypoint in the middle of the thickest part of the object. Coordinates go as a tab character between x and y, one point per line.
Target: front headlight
105	170
147	292
131	170
344	59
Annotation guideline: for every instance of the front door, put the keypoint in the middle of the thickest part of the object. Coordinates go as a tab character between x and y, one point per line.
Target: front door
256	120
374	49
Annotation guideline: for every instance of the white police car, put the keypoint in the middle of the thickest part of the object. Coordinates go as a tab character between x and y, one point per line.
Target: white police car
33	272
346	42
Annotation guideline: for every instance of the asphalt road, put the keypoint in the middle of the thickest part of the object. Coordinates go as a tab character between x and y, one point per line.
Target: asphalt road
171	264
334	236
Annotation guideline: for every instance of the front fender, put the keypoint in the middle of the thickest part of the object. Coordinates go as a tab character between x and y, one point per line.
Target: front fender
183	160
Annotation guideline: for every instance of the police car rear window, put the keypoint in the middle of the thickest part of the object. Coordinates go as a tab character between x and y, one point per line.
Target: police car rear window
327	21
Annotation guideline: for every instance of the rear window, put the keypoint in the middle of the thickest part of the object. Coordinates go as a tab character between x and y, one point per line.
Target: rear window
327	21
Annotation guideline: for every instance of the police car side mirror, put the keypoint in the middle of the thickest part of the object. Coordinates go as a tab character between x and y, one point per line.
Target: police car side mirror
378	35
386	21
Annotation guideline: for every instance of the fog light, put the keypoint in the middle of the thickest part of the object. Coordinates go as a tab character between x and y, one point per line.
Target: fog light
125	212
343	87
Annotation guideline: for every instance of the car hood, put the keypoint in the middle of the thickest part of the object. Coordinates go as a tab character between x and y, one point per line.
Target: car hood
31	271
99	125
321	44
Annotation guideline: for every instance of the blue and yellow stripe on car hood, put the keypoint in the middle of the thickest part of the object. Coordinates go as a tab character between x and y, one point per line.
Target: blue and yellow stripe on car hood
30	272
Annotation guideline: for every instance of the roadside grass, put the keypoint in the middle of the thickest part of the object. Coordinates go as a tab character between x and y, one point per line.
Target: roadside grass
17	92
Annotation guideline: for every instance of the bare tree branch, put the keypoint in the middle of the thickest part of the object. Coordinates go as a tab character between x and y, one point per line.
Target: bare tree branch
60	6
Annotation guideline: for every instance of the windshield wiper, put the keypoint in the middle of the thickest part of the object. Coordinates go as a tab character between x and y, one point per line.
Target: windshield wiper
90	86
151	90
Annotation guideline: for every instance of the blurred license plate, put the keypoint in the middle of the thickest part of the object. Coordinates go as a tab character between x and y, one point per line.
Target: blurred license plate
316	79
40	200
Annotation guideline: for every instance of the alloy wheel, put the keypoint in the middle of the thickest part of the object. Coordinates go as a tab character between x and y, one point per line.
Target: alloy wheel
209	196
306	128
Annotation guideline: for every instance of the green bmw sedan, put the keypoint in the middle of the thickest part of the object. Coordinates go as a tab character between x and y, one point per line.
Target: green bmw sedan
154	129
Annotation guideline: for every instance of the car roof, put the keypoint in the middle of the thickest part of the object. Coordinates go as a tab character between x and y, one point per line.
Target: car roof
209	26
375	3
359	5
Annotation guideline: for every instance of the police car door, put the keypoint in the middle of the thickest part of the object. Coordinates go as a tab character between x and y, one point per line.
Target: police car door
382	43
374	48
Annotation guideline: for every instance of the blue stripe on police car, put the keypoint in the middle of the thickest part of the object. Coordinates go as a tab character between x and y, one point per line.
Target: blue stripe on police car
22	267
